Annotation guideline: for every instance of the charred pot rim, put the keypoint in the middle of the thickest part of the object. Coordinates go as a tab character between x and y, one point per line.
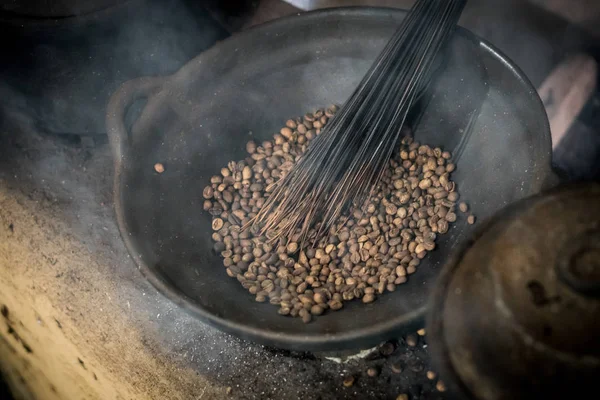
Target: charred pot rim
440	353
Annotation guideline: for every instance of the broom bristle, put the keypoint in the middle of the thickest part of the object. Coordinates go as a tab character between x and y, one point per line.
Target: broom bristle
344	163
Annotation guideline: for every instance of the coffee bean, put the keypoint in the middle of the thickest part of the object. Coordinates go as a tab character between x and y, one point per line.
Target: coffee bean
371	253
219	247
208	192
261	298
368	298
305	315
292	247
396	368
251	147
442	226
217	224
335	305
425	184
450	217
391	209
284	311
429	245
159	168
348	381
440	386
317	309
411	340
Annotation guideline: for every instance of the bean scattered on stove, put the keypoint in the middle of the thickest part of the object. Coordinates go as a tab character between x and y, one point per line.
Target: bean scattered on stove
372	372
377	248
471	219
348	381
402	396
440	386
421	332
431	375
159	167
396	368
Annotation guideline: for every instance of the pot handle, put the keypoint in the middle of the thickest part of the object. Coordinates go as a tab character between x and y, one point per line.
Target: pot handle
119	103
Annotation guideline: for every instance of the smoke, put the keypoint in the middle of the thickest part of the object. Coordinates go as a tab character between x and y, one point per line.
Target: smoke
62	72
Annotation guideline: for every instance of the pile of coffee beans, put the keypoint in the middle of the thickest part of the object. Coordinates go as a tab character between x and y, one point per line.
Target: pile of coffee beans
371	252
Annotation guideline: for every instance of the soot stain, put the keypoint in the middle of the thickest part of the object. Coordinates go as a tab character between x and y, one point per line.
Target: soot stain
81	363
292	354
4	311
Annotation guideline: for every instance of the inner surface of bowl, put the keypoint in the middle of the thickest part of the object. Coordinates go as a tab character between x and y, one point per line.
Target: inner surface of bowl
477	106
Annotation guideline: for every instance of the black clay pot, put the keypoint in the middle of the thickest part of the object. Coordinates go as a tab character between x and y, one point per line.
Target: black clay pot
480	106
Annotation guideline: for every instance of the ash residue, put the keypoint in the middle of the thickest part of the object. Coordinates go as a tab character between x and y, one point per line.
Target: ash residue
258	372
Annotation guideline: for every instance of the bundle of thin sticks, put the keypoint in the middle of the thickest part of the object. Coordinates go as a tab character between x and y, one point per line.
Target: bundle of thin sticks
344	163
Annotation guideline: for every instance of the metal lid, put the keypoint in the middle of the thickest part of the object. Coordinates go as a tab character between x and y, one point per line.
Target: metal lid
516	313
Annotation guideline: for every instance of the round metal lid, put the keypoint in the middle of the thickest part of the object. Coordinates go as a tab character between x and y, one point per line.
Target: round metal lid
516	312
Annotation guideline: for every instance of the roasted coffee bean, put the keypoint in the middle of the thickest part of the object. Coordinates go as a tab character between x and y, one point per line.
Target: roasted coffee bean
348	381
305	315
440	386
208	192
159	168
368	298
391	209
219	247
317	309
411	340
251	147
335	305
372	252
217	224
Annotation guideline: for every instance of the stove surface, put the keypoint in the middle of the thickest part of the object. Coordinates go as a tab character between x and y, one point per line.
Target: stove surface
86	323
